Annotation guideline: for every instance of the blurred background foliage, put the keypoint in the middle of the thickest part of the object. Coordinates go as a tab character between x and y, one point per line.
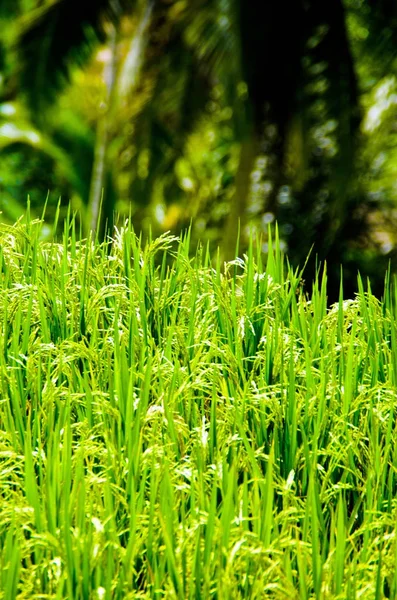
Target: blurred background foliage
215	111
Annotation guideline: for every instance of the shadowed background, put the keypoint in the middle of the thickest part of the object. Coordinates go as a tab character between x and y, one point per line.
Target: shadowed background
215	111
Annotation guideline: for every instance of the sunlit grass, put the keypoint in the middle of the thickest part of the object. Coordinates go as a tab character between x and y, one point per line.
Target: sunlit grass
171	429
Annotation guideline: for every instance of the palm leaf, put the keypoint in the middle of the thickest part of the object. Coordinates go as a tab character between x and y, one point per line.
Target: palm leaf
55	36
17	132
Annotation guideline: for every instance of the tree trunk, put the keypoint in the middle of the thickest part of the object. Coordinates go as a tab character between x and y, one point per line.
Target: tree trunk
102	137
238	205
120	81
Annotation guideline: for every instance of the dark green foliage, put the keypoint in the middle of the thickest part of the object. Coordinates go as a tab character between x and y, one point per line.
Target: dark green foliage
284	85
55	35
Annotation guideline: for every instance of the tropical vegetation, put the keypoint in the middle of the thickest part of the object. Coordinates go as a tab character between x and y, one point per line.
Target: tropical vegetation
218	111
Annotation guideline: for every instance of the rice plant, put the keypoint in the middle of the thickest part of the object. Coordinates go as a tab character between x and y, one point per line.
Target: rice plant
174	427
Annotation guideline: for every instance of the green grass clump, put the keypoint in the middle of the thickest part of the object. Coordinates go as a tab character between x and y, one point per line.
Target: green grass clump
184	431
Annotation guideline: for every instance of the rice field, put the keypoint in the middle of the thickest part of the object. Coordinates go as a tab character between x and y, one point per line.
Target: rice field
174	427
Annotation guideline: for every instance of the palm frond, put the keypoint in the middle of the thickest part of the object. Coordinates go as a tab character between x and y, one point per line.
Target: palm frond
60	148
53	37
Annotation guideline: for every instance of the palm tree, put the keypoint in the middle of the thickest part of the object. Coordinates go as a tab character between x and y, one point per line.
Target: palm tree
288	73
